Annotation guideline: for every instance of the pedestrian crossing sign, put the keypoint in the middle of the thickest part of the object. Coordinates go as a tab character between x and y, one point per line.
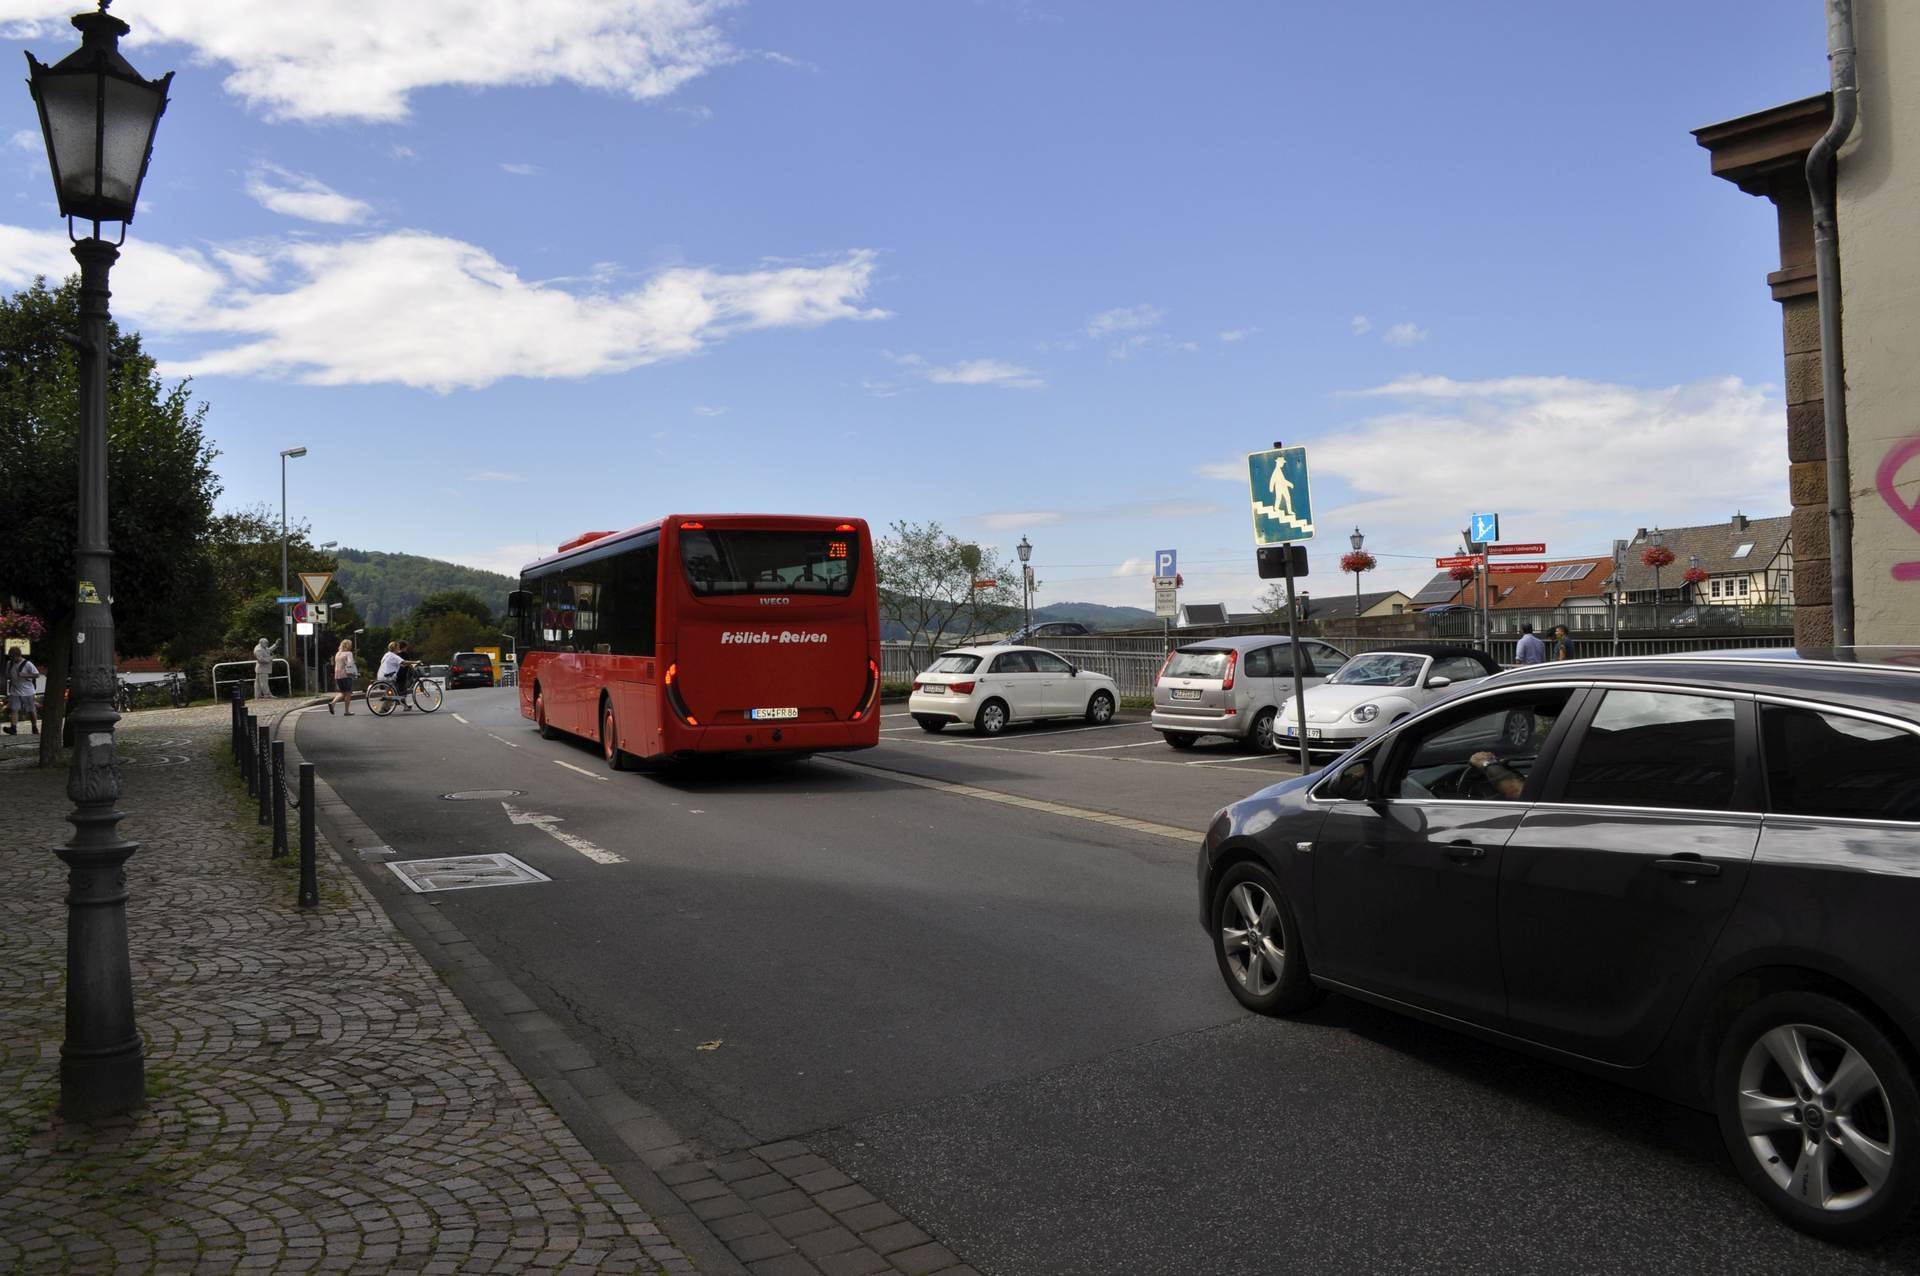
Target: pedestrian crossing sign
1282	501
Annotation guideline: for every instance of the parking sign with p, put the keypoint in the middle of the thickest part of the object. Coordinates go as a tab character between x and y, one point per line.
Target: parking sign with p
1166	564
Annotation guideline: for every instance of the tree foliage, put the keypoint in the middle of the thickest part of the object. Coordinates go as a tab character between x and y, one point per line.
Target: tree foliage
927	579
462	602
387	587
161	486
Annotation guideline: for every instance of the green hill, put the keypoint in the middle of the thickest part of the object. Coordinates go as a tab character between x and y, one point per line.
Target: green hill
1095	616
385	587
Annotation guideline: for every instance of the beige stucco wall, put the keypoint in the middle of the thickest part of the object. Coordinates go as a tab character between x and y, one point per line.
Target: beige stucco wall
1879	218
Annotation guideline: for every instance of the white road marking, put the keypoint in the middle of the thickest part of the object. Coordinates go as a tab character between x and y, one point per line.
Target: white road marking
502	739
545	824
1270	757
896	715
582	770
1102	748
884	730
1031	804
458	718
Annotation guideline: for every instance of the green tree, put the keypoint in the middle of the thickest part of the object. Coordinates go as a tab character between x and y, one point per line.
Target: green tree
927	584
462	601
450	631
159	475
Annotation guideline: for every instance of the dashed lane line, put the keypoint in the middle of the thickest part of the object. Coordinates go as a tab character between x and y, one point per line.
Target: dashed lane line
582	770
1167	831
461	720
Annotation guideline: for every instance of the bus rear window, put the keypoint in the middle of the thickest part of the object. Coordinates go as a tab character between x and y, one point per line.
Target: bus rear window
749	562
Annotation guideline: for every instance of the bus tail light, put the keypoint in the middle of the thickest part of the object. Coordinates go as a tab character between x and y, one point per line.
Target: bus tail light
693	527
1233	661
873	689
960	688
846	527
674	700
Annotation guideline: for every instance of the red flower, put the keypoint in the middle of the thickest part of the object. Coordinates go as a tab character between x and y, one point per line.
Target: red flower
1358	561
1462	574
1656	556
1696	575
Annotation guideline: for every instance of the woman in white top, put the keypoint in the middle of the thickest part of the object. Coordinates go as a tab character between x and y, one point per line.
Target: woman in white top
344	672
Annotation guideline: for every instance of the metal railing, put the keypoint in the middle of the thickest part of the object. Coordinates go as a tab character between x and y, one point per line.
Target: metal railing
262	763
283	679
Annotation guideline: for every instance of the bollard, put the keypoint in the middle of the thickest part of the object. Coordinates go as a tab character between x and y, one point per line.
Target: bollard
309	885
233	728
279	799
246	754
261	763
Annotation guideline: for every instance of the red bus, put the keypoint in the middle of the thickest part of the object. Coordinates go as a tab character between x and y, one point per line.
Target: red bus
705	634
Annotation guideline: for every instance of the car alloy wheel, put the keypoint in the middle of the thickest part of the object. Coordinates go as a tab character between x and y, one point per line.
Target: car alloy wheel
992	719
1260	734
1100	708
1253	941
1818	1109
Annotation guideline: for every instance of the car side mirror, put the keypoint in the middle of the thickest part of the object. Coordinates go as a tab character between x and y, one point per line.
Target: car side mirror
1073	670
1355	781
1438	681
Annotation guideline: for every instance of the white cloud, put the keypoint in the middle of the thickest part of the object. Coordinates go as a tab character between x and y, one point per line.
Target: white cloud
1134	567
698	114
1232	335
701	409
1361	325
1567	461
1125	319
27	140
520	170
366	58
994	372
1029	518
496	476
427	311
298	195
1404	334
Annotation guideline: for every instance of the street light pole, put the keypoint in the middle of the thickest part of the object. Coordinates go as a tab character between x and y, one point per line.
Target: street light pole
286	612
84	99
1656	538
1357	540
1025	551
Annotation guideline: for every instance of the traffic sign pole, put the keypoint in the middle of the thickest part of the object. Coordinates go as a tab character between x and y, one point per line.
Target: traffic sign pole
1293	623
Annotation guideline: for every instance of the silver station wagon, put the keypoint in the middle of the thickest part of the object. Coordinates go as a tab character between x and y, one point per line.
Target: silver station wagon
1234	687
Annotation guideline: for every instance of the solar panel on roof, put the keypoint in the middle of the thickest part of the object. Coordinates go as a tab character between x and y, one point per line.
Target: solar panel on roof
1205	613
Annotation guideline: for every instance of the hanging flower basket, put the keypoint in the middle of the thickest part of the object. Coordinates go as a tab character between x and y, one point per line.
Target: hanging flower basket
18	624
1462	574
1656	556
1696	575
1358	561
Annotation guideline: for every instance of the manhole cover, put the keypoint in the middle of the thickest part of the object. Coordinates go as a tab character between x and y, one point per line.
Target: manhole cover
465	872
481	795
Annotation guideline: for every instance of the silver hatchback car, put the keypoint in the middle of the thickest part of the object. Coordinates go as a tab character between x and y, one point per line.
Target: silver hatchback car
1234	687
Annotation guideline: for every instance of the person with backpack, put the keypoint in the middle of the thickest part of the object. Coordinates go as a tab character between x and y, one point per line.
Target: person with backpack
19	684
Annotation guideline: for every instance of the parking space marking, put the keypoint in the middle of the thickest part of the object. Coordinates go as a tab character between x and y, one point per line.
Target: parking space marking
582	770
1270	757
1168	831
1102	748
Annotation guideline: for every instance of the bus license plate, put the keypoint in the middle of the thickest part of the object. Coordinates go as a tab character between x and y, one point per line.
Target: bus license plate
762	715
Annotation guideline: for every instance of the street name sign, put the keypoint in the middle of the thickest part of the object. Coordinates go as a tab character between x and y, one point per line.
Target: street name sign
315	583
1516	569
1282	499
1459	560
1516	549
288	598
1166	598
1486	527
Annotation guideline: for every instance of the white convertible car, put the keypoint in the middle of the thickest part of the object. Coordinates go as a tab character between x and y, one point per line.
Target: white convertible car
1376	689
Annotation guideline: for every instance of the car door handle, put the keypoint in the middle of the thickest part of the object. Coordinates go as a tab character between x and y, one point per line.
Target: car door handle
1683	867
1461	852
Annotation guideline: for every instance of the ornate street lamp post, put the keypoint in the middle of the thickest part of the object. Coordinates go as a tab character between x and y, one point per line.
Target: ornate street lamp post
1658	541
1026	588
1359	541
98	117
286	611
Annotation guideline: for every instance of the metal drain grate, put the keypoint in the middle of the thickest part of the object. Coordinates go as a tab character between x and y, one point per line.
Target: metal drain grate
481	795
465	872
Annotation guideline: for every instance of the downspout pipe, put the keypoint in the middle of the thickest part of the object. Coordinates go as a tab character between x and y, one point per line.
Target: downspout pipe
1821	183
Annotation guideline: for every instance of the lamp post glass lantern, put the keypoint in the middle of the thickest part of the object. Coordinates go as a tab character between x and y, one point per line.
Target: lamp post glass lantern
98	116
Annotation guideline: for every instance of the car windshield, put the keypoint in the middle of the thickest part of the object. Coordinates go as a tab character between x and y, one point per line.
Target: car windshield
1198	664
954	662
1381	669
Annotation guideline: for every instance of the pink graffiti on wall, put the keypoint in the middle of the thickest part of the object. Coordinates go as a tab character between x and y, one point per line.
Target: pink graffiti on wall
1909	511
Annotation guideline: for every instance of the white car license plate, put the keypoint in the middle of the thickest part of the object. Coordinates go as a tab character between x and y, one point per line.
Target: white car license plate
1313	733
1186	693
932	690
762	715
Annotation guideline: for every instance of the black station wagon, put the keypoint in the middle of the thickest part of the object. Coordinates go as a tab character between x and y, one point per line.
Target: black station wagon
1700	876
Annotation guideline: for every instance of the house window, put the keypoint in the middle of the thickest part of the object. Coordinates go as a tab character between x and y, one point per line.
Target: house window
1743	586
1716	587
1746	547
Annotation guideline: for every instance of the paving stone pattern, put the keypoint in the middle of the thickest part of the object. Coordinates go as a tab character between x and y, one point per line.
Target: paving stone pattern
319	1100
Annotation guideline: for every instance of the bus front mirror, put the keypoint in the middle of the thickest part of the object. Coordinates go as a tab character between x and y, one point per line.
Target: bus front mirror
519	602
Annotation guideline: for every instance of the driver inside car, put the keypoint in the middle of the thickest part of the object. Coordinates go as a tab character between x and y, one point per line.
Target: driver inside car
1506	781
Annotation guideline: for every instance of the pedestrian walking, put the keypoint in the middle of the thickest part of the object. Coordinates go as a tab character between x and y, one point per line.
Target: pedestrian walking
344	673
18	683
1530	650
1561	647
263	669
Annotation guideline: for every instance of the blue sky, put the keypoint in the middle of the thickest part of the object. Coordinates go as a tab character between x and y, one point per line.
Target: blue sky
1041	267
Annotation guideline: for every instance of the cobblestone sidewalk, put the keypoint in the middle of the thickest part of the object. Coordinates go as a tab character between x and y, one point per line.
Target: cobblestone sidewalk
320	1101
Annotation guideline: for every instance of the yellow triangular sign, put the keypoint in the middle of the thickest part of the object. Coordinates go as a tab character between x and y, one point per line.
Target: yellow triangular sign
316	584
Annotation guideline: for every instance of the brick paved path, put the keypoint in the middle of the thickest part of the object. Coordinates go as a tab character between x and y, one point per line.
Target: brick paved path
319	1100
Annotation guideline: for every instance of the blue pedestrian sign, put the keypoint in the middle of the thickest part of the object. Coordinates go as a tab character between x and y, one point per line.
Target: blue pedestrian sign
1486	527
1166	564
1282	502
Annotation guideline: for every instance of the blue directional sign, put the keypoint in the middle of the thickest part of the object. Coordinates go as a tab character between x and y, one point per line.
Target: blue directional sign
1486	527
1282	501
289	598
1166	564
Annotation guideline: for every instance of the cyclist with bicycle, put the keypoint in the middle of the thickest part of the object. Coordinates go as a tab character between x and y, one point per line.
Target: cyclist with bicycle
394	668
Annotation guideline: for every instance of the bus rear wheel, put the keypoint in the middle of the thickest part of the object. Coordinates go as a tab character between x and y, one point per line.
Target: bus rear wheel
540	717
617	758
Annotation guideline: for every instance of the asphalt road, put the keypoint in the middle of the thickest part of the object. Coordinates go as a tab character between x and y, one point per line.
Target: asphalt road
1006	1020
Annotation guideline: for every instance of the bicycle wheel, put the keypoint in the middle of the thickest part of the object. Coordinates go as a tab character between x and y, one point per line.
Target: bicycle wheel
427	695
380	699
